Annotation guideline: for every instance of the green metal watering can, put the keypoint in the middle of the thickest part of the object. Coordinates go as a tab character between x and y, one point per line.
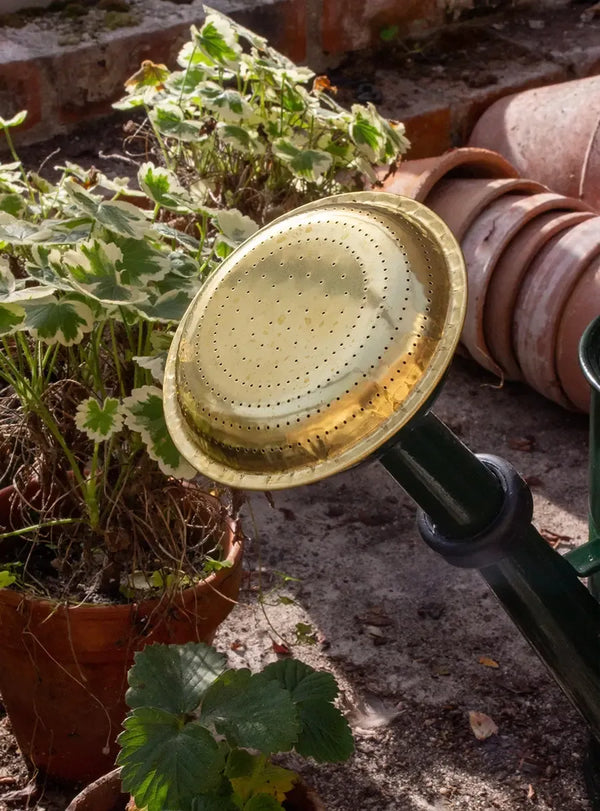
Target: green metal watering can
321	342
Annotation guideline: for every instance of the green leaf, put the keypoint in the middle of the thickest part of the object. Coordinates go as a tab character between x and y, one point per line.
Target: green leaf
11	318
168	307
170	121
217	40
52	320
324	734
143	411
309	164
165	762
95	268
236	226
6	578
241	138
228	103
99	420
155	364
123	218
173	678
140	262
255	775
12	203
16	231
365	134
161	185
15	121
251	712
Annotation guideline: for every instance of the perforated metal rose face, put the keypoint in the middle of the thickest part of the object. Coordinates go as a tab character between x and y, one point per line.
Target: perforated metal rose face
315	341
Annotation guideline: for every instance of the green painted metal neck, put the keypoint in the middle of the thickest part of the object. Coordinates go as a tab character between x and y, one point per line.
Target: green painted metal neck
459	494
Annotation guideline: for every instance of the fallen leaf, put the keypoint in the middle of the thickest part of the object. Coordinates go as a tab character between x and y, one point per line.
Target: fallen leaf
530	792
281	649
554	538
482	725
322	83
522	443
487	662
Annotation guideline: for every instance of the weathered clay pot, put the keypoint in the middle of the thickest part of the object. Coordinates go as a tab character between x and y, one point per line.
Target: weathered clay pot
458	201
482	247
505	283
64	668
549	134
581	308
546	288
416	178
105	794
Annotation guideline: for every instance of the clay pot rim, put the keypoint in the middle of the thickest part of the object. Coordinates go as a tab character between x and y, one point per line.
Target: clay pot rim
507	214
485	195
107	789
504	350
232	541
523	335
422	174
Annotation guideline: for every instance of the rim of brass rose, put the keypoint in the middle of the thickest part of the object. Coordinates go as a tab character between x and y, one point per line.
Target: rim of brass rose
315	341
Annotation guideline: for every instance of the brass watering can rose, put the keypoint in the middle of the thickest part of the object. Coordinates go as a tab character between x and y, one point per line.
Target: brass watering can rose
315	341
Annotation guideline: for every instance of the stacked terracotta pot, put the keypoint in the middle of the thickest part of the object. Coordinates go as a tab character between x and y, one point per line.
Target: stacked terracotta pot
533	262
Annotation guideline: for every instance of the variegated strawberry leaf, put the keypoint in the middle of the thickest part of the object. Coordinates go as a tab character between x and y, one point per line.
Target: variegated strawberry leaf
99	420
94	270
53	320
309	164
143	412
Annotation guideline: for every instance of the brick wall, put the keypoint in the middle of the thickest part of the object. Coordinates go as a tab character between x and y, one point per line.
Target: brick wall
62	83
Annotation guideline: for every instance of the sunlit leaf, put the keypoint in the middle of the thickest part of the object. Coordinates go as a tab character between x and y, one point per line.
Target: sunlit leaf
95	270
309	164
254	774
228	103
173	678
149	74
217	39
155	364
161	185
15	121
170	121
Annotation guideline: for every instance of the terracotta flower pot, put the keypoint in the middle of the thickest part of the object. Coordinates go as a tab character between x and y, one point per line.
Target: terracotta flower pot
458	201
581	308
416	178
64	668
482	247
105	794
549	282
506	279
549	134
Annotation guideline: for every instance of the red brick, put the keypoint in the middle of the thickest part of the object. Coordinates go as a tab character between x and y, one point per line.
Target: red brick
349	25
21	89
282	23
430	133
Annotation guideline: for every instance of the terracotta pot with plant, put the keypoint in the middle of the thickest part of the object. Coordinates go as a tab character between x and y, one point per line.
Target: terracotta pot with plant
202	736
101	513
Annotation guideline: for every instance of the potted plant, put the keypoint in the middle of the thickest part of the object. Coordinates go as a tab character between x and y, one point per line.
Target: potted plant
106	541
94	275
201	736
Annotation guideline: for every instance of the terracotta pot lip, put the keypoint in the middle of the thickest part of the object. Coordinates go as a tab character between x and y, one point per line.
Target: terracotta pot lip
561	246
483	192
111	784
502	342
418	177
213	580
